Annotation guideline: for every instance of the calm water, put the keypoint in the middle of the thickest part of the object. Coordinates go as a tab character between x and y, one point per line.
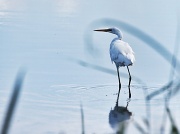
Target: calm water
48	39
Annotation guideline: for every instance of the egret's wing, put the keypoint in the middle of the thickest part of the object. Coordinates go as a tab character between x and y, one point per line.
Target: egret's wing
121	52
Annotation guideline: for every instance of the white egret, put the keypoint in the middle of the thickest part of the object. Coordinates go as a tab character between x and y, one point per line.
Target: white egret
121	54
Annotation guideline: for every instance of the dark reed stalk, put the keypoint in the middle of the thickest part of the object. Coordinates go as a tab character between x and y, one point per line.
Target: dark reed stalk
13	102
82	120
168	96
174	128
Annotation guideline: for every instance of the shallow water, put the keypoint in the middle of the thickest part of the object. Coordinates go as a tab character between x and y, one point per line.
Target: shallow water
57	110
49	40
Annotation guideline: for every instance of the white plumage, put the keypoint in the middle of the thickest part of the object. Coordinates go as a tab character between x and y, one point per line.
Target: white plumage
121	54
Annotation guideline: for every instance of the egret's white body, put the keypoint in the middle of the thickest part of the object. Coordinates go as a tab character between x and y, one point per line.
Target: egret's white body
120	52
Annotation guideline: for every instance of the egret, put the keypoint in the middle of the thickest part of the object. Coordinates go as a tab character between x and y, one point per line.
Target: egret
121	54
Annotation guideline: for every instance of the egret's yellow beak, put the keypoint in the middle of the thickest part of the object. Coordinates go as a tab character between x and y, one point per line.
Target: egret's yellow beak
103	30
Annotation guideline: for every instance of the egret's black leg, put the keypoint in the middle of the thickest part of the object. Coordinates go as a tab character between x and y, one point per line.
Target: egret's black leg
129	82
119	85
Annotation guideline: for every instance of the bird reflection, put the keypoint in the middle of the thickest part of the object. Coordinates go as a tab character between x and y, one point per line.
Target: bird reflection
119	115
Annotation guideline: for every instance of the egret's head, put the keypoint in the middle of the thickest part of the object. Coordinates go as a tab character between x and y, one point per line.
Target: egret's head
113	30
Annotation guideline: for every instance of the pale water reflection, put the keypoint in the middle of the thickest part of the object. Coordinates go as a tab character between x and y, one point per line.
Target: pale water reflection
119	117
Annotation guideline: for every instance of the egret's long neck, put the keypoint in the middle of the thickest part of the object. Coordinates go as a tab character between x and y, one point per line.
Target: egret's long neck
119	34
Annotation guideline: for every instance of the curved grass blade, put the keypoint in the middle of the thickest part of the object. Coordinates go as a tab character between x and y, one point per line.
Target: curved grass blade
13	102
174	129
